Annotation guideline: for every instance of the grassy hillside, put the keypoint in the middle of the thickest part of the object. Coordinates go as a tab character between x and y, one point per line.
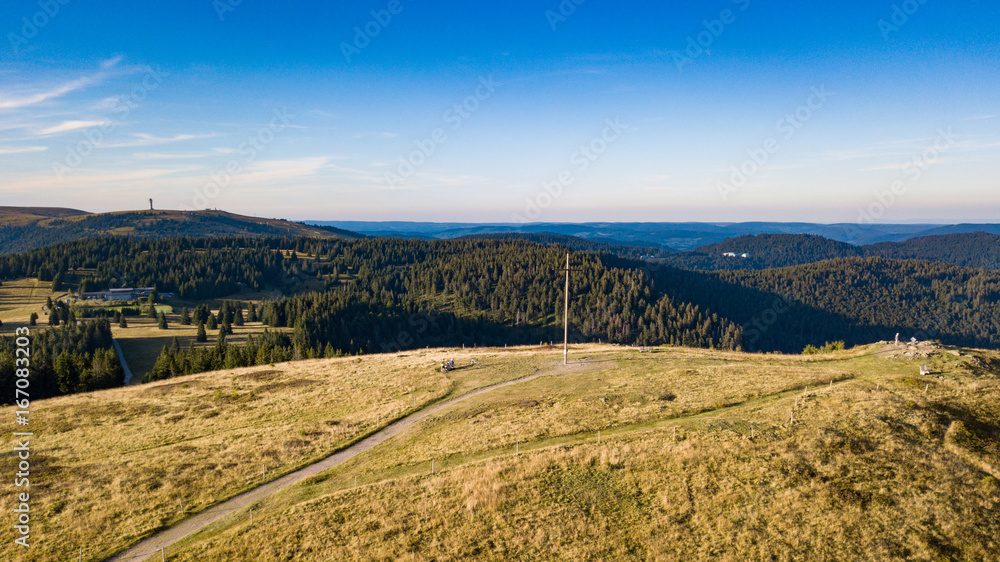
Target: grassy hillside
871	468
19	298
111	467
20	216
877	463
34	228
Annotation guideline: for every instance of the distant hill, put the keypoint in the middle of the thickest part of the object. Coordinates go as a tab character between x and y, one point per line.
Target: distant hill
23	228
572	242
21	216
854	300
976	249
764	251
682	236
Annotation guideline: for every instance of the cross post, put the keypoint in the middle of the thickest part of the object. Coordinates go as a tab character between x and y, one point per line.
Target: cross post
566	313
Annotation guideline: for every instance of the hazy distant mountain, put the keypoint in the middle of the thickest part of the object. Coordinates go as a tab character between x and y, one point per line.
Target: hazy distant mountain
764	251
668	236
23	228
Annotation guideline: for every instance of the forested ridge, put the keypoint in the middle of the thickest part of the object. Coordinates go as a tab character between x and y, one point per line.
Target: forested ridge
975	249
765	251
387	294
857	300
404	294
194	268
64	359
148	224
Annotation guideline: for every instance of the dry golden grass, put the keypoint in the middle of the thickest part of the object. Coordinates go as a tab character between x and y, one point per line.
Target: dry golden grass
19	298
604	390
111	467
874	468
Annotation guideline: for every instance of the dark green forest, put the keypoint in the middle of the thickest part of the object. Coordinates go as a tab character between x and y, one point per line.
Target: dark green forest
151	225
976	249
386	294
856	300
64	359
405	294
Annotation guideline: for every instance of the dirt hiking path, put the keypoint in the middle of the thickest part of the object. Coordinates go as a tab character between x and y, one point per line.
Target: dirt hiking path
164	539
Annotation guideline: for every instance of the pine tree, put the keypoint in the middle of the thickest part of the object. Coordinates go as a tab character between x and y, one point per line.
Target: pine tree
33	319
162	322
185	317
122	323
202	337
212	324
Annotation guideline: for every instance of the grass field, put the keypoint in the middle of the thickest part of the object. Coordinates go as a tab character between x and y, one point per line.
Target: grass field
19	298
882	464
111	467
142	341
870	468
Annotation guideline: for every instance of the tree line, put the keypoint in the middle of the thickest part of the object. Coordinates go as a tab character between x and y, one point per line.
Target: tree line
64	359
385	295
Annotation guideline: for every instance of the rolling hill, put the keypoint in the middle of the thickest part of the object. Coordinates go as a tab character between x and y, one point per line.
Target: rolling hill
684	236
676	454
22	216
23	229
976	249
967	249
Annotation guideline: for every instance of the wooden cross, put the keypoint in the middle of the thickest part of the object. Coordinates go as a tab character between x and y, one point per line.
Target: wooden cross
566	313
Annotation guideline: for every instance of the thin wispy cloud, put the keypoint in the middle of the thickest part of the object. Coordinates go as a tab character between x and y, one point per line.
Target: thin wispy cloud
144	139
16	101
277	170
169	155
68	126
381	135
898	166
322	113
23	150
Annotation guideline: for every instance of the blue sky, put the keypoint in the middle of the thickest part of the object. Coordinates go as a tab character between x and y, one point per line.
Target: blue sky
544	111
